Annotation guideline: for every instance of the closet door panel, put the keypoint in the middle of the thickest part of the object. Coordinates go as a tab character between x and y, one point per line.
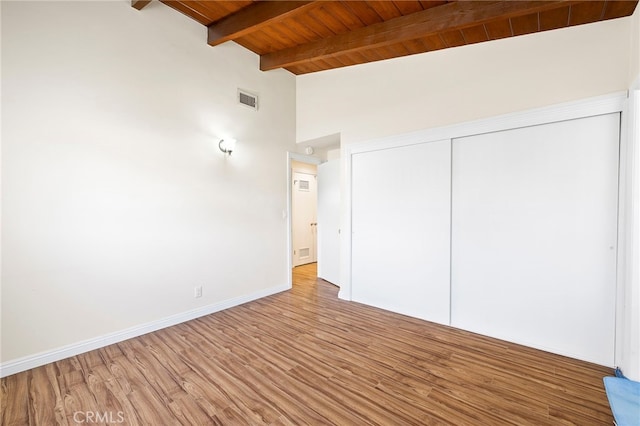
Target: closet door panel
401	229
534	222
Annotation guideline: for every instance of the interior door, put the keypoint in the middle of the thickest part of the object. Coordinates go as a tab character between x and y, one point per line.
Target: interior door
329	221
534	236
400	229
304	222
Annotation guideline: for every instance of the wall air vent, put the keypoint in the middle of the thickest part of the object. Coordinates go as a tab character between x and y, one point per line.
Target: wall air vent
248	99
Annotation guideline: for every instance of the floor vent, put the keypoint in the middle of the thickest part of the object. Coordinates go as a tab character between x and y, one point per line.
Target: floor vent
248	99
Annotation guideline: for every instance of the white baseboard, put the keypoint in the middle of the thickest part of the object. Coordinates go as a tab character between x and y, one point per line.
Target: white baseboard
42	358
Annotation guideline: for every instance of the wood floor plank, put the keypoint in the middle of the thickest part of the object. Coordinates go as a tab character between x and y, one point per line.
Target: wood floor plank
562	388
53	372
306	357
207	397
127	411
77	397
15	399
187	411
321	400
155	374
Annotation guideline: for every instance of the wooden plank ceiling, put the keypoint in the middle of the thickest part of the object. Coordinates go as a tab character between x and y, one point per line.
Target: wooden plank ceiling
310	36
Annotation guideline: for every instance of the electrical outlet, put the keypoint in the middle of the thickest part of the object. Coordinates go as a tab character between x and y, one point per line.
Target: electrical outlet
197	291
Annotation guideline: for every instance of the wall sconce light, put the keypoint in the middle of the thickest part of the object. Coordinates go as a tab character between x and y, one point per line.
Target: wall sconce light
227	145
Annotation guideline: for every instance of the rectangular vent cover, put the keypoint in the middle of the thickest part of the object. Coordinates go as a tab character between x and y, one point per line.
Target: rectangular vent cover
304	185
248	99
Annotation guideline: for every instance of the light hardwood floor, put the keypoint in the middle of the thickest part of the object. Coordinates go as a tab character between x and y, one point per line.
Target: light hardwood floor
306	357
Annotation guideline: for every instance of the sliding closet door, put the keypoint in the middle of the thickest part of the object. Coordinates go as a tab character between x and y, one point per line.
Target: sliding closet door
400	229
534	214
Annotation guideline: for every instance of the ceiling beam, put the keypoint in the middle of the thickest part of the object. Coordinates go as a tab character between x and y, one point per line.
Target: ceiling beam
451	16
139	4
253	18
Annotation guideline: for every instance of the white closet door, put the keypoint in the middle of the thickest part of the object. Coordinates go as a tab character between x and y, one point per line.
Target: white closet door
400	229
534	213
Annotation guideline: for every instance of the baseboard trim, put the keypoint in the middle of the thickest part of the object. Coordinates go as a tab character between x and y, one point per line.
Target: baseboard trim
42	358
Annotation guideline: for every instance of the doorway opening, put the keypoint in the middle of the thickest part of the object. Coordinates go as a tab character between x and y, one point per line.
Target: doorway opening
303	206
304	213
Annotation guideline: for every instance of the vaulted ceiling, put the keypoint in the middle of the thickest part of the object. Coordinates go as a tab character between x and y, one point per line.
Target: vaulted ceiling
309	36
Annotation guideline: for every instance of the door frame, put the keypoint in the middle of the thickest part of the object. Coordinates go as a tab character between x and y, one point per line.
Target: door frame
291	157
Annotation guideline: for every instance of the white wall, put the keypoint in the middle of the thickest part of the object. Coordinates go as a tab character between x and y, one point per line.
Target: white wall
467	83
333	154
464	83
634	62
116	201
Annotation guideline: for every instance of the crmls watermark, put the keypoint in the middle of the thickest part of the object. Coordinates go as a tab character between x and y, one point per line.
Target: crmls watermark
98	417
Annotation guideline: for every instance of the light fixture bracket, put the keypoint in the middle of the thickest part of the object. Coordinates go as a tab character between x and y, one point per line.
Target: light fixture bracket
227	145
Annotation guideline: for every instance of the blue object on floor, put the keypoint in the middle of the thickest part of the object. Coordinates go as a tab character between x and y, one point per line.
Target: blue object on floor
624	399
